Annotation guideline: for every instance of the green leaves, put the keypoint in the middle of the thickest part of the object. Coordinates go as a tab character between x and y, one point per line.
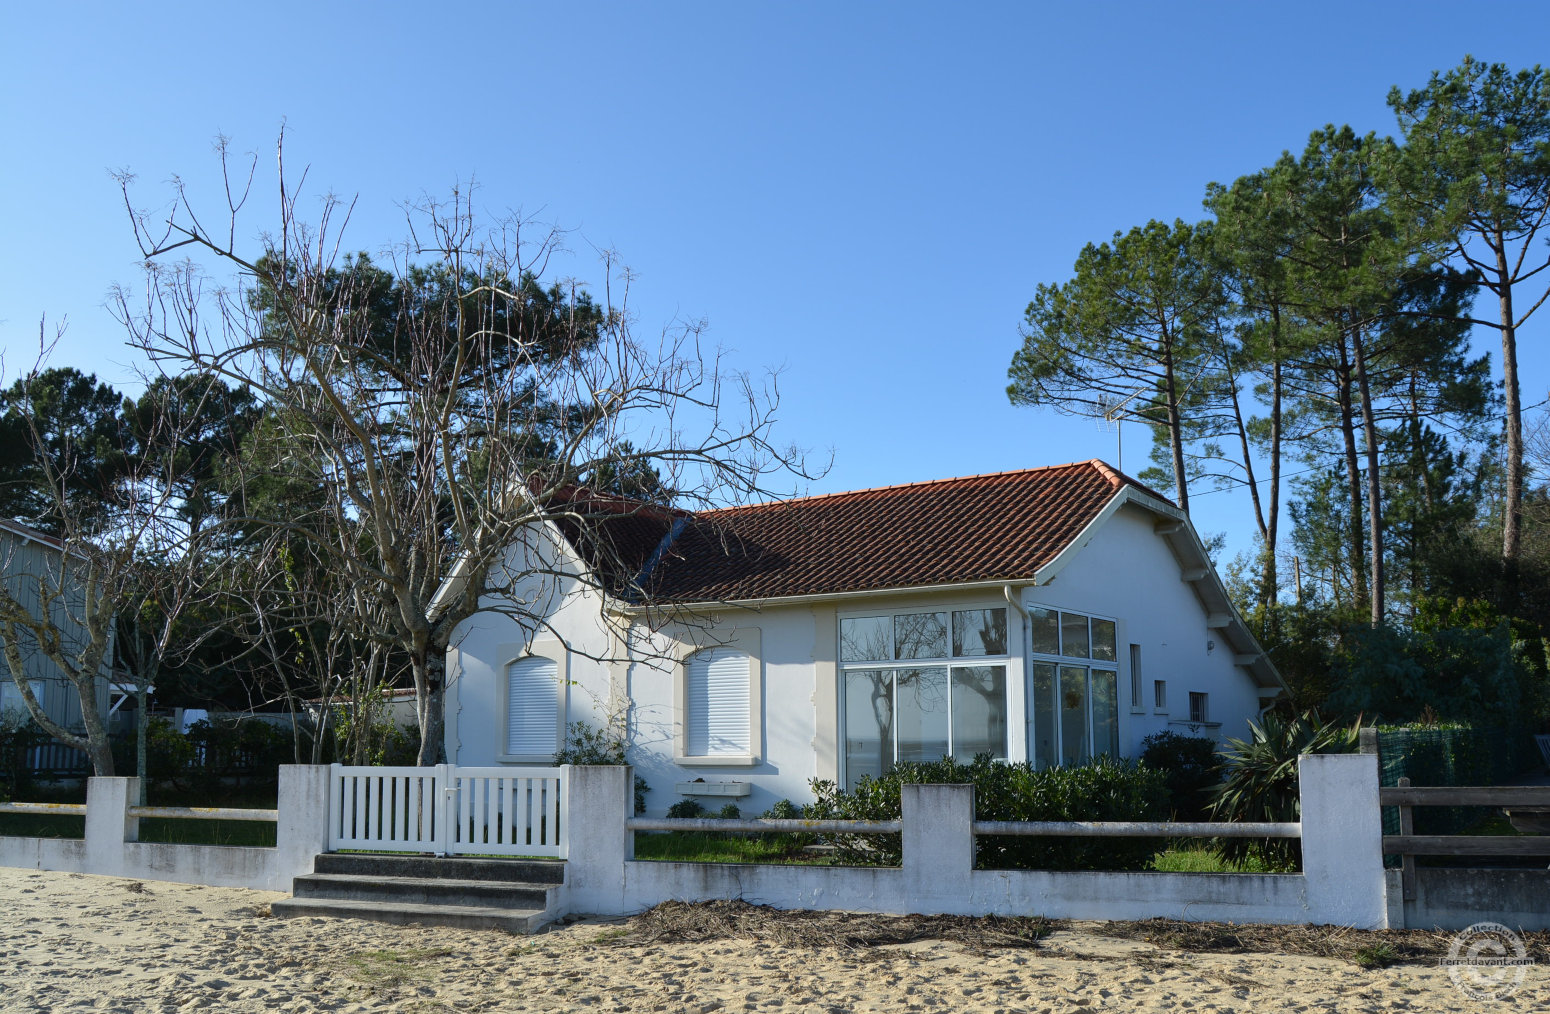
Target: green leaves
1105	789
1261	774
1133	335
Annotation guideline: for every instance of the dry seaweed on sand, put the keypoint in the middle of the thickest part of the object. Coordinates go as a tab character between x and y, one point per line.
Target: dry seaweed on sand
681	922
1368	948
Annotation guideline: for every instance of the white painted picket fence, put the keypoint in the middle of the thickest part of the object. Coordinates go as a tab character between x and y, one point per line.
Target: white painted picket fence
446	809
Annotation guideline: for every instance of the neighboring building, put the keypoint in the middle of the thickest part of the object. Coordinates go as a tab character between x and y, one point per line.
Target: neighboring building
1049	614
25	553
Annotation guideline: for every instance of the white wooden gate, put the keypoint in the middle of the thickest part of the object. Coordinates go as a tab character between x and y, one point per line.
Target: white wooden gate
447	810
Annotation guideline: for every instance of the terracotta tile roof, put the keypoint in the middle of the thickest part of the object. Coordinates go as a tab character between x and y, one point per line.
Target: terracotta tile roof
1002	526
617	537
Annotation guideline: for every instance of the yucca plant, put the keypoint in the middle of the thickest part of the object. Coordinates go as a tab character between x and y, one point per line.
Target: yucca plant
1261	778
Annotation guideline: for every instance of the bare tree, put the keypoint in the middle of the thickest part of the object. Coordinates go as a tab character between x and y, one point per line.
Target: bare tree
121	573
453	404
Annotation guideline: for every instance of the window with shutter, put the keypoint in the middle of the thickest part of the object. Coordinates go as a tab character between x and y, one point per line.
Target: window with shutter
716	699
532	706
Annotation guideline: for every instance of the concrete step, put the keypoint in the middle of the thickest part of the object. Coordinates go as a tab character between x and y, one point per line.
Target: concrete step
423	890
521	871
520	921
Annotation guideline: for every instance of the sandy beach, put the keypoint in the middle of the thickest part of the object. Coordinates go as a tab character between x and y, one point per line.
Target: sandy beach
75	942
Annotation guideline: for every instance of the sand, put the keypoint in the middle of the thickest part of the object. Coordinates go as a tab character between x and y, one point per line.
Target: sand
74	942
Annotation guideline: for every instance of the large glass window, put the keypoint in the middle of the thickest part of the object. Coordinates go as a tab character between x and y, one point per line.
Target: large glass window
1073	692
908	697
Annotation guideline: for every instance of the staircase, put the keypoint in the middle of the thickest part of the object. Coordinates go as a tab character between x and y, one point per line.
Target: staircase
516	895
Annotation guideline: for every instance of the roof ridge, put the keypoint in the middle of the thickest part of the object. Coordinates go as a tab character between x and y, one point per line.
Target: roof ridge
1101	467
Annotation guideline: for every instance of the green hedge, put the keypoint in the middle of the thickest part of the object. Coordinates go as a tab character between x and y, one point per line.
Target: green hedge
1102	790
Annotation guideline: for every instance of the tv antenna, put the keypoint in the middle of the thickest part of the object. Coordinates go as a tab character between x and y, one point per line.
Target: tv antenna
1112	421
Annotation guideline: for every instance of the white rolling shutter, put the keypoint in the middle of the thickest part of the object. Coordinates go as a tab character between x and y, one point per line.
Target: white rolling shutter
717	722
532	706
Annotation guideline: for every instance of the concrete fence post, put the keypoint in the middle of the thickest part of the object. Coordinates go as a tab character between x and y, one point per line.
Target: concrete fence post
593	810
1342	840
938	847
108	823
302	829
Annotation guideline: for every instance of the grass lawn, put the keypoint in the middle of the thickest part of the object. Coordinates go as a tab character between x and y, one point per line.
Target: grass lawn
709	847
1183	856
1193	857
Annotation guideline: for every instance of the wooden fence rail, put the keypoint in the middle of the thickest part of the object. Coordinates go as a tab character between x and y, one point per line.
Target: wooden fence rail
1407	844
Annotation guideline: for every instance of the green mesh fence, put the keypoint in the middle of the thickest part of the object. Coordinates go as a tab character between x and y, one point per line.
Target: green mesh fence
1451	755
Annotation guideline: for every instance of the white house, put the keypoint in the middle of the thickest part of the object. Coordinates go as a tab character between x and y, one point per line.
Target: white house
1047	614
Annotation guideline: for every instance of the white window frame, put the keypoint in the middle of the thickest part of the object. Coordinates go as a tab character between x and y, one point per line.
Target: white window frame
544	647
1059	661
950	662
1159	697
748	641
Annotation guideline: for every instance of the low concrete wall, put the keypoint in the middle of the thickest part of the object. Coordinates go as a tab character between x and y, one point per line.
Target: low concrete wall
1454	899
1342	847
1343	882
110	849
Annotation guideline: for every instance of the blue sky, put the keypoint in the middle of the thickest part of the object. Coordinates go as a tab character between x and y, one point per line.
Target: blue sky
863	194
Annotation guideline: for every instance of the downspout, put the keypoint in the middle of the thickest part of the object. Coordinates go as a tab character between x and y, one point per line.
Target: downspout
1006	590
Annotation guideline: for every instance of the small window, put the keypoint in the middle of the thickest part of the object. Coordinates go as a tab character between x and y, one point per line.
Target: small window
1136	700
1199	711
1045	631
979	632
1160	695
865	639
920	635
532	707
717	723
1104	648
1073	636
11	699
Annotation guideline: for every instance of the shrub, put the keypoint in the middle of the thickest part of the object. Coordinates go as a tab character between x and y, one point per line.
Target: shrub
18	735
686	809
587	745
729	812
170	756
1261	777
1105	789
787	842
1192	767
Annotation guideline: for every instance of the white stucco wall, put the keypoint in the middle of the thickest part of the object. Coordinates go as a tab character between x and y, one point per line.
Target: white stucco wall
1128	572
624	668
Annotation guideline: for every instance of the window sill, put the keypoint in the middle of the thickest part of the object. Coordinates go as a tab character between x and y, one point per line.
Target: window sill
1137	711
717	761
543	759
1196	725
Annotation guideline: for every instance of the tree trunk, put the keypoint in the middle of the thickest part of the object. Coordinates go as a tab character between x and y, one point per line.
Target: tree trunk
1512	509
1273	512
429	683
98	746
1175	437
1353	483
1374	490
142	724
